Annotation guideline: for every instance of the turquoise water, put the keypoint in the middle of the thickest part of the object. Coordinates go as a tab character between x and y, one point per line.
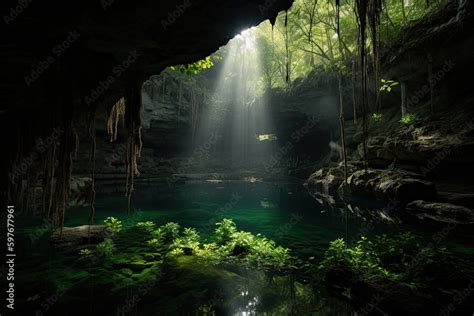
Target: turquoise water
281	211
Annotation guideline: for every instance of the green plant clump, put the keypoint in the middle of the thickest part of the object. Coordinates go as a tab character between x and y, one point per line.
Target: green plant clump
386	257
228	245
113	224
387	85
376	117
407	118
147	226
106	248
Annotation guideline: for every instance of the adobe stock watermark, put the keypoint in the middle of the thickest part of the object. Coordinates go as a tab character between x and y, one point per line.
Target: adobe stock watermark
203	151
106	4
425	89
117	71
296	137
142	290
458	299
264	7
440	155
16	11
58	50
174	15
283	230
19	169
48	303
370	225
221	211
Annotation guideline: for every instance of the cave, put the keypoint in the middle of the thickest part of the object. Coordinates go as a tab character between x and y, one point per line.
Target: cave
273	157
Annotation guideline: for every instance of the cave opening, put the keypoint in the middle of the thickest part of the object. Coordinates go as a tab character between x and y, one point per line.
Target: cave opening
238	158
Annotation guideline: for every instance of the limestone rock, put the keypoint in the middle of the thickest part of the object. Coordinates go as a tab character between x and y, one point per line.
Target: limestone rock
73	238
442	212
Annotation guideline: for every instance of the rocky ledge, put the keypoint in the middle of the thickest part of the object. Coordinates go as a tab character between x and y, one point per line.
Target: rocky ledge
442	212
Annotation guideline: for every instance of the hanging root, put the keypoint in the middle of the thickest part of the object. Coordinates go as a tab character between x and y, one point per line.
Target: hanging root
114	117
134	144
92	161
368	13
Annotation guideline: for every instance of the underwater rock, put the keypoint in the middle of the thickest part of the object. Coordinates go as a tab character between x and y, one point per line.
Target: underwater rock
442	212
73	238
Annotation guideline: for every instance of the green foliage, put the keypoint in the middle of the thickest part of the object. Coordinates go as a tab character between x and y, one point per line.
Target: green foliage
376	117
188	243
386	257
266	137
105	248
168	232
387	85
147	226
155	242
113	224
225	231
196	67
407	118
85	254
234	245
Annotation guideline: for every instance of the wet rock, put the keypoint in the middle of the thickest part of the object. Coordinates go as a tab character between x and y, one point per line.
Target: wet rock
328	180
442	212
399	186
405	190
464	199
73	238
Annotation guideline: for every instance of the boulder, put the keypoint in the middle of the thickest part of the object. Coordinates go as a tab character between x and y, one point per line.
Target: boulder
328	180
405	190
399	186
442	212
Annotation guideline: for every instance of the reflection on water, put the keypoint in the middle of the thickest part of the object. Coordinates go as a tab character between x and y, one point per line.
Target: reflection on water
284	212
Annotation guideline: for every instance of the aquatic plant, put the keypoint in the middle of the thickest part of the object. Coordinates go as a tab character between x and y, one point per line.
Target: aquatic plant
189	242
376	117
147	226
225	231
153	242
105	248
233	245
113	224
167	233
86	254
407	118
397	258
